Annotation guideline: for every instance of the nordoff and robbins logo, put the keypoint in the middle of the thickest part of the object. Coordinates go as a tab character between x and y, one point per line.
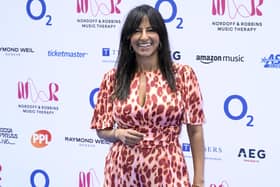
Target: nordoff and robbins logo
238	16
70	54
98	14
33	99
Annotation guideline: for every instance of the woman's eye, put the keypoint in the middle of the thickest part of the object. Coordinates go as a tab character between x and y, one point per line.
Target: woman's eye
151	30
147	30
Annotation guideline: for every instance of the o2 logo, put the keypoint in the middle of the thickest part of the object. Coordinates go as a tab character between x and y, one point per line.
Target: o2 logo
28	90
34	179
41	138
92	96
219	8
173	13
29	9
111	7
244	109
224	183
88	179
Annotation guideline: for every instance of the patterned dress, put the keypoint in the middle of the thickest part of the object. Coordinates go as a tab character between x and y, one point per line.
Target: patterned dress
158	159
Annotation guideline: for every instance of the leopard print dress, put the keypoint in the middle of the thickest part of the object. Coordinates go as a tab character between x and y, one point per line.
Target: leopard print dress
158	159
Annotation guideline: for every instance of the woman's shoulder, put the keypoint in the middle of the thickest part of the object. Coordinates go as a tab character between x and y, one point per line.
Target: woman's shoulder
181	69
110	74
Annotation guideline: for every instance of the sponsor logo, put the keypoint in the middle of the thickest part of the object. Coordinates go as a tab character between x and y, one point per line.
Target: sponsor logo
15	51
163	5
176	55
105	51
0	176
110	55
40	13
93	97
7	136
211	152
231	11
236	26
41	138
88	179
273	61
96	14
85	142
235	103
39	177
252	155
32	99
67	54
209	59
224	183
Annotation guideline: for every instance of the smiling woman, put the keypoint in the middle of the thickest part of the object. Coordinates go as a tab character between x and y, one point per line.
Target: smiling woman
142	105
145	43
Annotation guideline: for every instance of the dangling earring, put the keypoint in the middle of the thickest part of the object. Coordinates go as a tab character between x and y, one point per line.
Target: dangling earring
131	49
159	46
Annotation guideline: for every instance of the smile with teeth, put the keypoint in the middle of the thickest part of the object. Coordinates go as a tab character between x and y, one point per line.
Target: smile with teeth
145	44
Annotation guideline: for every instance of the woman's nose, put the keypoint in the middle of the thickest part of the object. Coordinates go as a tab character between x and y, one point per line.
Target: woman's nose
144	35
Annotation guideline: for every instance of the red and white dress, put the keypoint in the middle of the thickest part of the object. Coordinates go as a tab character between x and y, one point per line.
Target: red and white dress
158	159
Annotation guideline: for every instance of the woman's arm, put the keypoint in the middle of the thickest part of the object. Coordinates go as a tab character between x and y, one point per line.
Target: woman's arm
127	136
195	133
107	134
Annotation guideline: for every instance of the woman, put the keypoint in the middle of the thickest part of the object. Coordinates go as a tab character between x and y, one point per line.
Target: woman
141	106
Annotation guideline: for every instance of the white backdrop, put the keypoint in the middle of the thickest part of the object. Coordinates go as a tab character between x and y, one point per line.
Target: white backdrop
53	55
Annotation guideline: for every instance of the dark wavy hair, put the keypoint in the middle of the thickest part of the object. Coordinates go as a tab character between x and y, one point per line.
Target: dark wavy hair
126	63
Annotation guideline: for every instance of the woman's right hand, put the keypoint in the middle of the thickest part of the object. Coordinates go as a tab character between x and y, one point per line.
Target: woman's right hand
129	136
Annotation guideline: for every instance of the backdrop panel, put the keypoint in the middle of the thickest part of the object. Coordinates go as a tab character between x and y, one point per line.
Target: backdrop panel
53	55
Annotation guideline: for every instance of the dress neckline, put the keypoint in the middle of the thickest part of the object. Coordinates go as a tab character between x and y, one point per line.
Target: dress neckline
156	72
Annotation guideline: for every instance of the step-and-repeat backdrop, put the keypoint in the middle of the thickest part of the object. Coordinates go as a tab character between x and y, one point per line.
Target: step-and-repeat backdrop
53	55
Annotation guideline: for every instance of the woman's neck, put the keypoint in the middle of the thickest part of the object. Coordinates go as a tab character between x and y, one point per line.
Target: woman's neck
147	63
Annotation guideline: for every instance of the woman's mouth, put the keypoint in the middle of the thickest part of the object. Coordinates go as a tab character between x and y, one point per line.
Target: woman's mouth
145	44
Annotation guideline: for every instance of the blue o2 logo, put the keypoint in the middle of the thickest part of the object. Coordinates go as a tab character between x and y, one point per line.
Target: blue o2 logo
43	174
42	13
173	13
92	95
243	112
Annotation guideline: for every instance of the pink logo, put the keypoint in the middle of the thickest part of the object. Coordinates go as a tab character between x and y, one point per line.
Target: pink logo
88	179
104	7
223	184
28	90
0	171
232	9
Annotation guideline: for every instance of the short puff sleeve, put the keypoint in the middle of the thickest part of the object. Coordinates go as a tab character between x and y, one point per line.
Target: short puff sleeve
103	111
194	114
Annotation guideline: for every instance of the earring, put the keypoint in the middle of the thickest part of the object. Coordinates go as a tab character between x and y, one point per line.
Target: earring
159	46
131	49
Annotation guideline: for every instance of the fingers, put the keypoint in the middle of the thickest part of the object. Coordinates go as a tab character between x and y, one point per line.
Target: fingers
131	141
129	137
136	133
133	138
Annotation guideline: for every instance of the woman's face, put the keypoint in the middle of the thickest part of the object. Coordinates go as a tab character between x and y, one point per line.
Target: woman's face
145	41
